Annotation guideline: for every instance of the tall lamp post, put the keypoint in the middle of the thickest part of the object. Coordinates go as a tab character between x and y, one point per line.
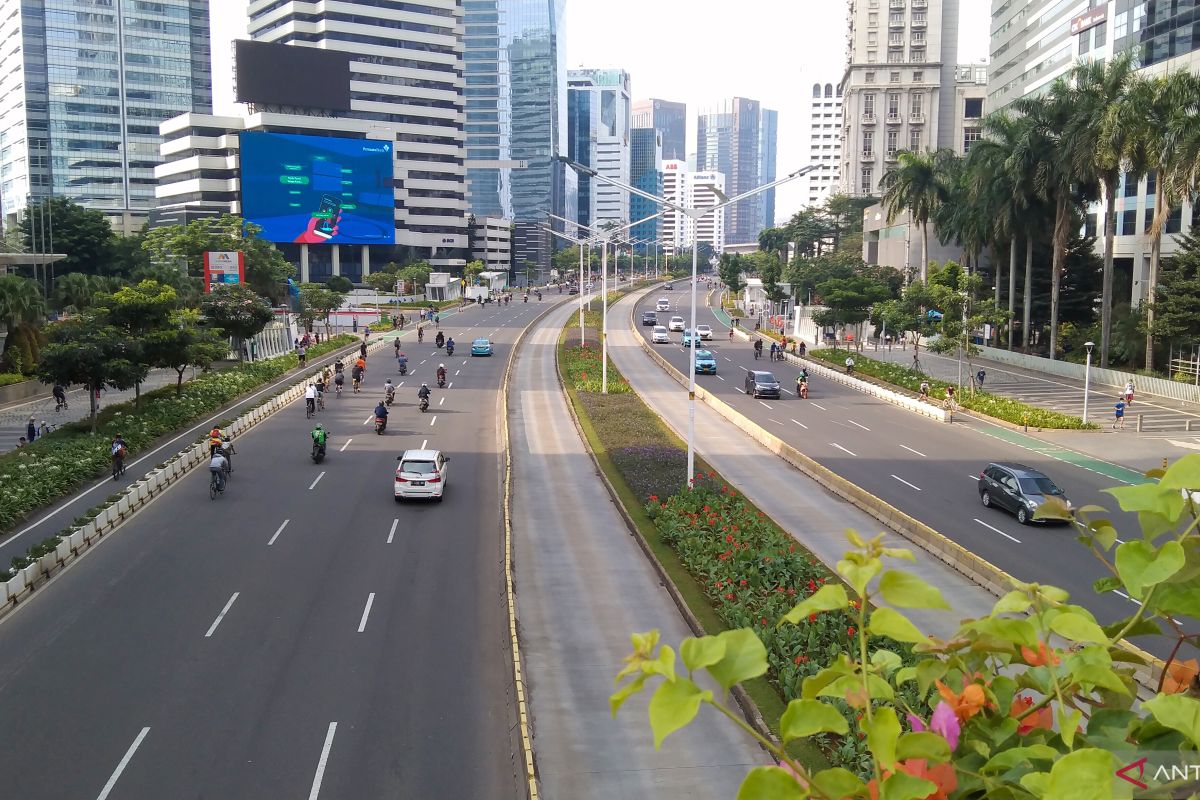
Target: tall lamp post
581	243
696	214
1087	379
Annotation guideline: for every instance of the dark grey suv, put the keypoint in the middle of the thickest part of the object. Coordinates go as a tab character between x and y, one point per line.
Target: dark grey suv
761	384
649	318
1019	489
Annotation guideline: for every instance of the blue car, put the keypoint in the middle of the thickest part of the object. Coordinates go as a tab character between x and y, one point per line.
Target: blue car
706	363
688	338
481	347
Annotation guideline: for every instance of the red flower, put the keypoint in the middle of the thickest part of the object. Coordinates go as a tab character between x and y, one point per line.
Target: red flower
812	617
812	587
729	596
856	604
850	631
654	498
712	474
723	556
766	559
800	659
762	621
706	509
744	582
729	537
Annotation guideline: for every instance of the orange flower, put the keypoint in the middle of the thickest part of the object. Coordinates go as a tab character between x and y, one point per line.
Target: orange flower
941	775
967	704
1042	718
1040	658
1180	675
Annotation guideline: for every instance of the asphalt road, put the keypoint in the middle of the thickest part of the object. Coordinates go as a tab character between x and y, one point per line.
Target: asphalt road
927	469
302	635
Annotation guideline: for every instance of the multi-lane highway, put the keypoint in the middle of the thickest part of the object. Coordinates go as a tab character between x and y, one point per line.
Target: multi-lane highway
927	469
300	636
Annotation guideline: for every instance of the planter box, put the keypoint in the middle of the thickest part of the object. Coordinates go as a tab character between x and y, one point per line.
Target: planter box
14	587
77	538
48	562
32	573
123	506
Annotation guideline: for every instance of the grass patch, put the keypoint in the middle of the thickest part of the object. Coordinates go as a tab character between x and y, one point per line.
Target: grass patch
980	402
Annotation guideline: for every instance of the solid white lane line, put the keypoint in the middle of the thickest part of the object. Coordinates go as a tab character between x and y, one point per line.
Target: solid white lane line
276	536
112	781
909	449
347	444
313	485
392	532
362	623
839	447
433	420
727	358
441	399
852	422
743	369
761	403
906	483
224	611
801	424
974	478
818	405
316	787
721	377
423	443
465	360
997	530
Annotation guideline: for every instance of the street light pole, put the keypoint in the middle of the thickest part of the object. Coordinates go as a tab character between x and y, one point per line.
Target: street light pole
1087	379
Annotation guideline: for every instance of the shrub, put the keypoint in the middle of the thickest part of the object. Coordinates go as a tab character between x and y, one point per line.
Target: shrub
9	378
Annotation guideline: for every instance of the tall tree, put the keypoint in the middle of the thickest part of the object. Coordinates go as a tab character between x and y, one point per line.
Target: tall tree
139	311
317	302
22	311
60	225
88	350
184	343
74	291
914	185
237	310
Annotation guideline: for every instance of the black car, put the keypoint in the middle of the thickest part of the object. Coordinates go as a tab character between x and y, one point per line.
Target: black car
573	290
1019	489
649	318
668	286
761	384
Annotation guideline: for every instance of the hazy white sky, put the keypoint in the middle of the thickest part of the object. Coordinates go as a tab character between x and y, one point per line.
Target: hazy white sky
701	51
697	52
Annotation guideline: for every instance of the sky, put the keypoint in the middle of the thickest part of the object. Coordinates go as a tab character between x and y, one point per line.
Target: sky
699	52
702	51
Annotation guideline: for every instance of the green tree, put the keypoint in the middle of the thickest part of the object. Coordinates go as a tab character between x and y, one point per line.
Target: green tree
187	288
267	270
382	282
74	291
139	311
471	271
84	235
730	270
848	302
184	343
237	310
317	302
956	294
914	185
1177	295
416	275
908	314
22	311
88	350
340	283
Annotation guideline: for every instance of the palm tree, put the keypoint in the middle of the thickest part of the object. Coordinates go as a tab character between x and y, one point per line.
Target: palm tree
1099	126
74	290
21	302
914	185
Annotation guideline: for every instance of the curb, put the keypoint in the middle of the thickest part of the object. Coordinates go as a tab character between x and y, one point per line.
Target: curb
745	702
979	571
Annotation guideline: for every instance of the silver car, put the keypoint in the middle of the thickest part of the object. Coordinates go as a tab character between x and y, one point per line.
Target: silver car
660	335
676	324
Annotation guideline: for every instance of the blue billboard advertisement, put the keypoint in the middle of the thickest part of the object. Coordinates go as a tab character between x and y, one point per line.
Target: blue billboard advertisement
318	189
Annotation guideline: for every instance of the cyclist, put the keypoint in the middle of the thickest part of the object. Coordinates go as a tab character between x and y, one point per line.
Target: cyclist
849	365
420	334
320	387
118	451
338	367
389	391
950	402
362	349
924	395
396	345
60	397
217	467
310	400
318	439
757	349
731	333
774	350
338	380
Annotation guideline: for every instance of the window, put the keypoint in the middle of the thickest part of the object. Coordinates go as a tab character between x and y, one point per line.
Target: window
1089	225
896	19
973	108
1174	220
893	104
868	144
869	105
918	76
970	136
868	77
1129	222
893	142
871	57
894	77
918	104
1085	42
867	184
872	38
914	139
895	56
896	39
1131	185
872	20
917	56
1101	34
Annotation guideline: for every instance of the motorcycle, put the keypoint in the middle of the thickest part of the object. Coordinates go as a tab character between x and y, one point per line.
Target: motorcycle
441	381
318	453
380	424
404	369
449	349
424	403
440	341
802	390
389	397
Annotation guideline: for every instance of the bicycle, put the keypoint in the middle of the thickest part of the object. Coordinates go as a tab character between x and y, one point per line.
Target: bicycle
950	405
310	407
337	390
320	401
215	486
917	364
118	467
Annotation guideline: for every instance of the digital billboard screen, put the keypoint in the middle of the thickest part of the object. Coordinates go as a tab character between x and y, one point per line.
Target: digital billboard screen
317	189
267	73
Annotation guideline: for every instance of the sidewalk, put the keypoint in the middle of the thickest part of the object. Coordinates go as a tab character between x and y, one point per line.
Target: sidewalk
583	586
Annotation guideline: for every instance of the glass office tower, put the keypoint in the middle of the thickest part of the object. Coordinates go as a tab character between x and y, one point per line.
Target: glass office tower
84	87
645	169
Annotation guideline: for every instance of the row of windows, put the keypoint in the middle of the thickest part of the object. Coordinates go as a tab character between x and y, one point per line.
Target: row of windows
916	105
891	141
391	5
915	56
918	76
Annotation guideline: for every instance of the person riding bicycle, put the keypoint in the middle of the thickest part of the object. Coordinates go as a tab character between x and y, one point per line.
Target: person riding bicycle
320	387
396	345
951	401
338	367
849	365
757	348
420	334
339	380
389	390
774	350
310	398
924	394
60	396
362	350
318	437
117	451
441	372
216	467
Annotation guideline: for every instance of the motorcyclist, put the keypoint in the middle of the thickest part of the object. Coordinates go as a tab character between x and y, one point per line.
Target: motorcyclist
402	363
389	390
423	393
381	410
802	383
757	348
440	339
318	437
441	372
450	345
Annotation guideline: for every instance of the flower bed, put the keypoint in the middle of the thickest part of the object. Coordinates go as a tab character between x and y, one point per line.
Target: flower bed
52	466
981	402
9	378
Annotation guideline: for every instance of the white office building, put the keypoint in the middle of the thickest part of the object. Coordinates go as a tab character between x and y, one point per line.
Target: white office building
824	142
691	190
599	121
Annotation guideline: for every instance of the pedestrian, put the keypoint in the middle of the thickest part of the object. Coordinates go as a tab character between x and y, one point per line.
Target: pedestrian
1129	393
1119	414
803	349
43	429
31	430
302	352
253	349
21	442
354	324
979	376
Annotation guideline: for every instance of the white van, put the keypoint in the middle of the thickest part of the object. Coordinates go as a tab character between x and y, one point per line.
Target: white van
663	304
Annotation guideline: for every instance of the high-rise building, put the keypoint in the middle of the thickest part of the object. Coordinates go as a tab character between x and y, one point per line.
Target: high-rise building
645	171
767	152
599	124
402	86
824	142
897	89
730	140
668	118
691	190
84	87
515	99
1032	44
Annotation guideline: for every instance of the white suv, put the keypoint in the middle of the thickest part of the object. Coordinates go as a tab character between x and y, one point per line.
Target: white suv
663	304
676	323
421	474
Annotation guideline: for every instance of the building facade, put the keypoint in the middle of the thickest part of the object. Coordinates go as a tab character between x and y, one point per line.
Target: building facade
84	87
406	88
897	89
730	139
491	243
515	102
599	124
692	190
824	142
768	143
645	170
668	118
1031	45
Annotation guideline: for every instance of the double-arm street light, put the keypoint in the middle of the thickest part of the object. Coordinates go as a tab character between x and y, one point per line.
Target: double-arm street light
603	236
695	214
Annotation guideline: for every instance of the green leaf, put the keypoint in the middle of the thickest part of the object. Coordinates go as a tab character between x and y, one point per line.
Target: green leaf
1068	724
889	622
1141	566
1151	498
905	674
745	657
838	782
1014	602
1103	532
906	590
701	652
1083	775
878	688
807	717
1077	628
902	786
1016	631
854	539
1102	585
926	745
886	661
1011	757
618	698
1183	474
663	665
830	597
858	570
1036	782
770	783
673	706
928	671
883	732
1170	598
1179	712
